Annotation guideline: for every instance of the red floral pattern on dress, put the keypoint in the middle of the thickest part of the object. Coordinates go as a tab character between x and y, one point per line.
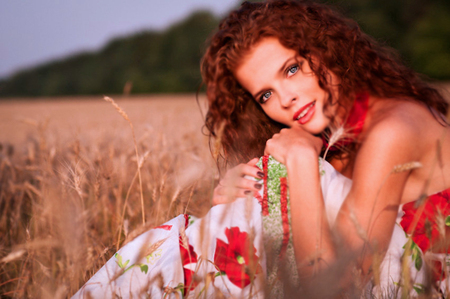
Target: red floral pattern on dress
421	222
188	256
284	215
238	258
265	204
165	227
437	271
258	197
186	220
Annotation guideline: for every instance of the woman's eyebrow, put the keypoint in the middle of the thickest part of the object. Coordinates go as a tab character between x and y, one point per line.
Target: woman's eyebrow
255	96
283	67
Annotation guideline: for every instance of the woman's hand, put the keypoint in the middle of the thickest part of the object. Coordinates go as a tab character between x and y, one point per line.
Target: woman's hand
234	184
290	142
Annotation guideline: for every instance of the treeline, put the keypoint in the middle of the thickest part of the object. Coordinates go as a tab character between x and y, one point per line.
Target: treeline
151	61
418	29
168	61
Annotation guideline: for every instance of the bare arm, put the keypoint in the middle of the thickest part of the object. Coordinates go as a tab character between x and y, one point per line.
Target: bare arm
367	217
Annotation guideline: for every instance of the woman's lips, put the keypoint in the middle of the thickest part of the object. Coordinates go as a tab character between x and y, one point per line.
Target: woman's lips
304	114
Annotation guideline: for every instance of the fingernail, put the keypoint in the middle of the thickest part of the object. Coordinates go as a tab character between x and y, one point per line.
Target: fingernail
260	174
247	192
258	186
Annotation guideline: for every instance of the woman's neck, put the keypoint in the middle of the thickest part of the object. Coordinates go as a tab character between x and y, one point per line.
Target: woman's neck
353	126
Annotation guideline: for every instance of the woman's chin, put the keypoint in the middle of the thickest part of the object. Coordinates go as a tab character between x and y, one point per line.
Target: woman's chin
314	127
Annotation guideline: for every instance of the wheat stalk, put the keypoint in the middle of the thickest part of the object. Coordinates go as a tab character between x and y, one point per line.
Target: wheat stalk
140	163
336	134
174	197
406	167
125	116
218	140
32	195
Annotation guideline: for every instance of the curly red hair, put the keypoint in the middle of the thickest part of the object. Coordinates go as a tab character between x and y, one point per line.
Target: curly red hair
313	30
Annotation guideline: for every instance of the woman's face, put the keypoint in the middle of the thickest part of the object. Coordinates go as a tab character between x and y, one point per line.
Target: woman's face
283	83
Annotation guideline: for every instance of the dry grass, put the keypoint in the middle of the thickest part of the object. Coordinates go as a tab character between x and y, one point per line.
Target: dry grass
68	190
69	194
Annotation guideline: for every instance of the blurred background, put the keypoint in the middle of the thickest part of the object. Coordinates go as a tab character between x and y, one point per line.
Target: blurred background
69	193
54	48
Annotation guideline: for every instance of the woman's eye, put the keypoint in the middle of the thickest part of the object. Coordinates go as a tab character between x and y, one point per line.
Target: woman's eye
292	70
264	97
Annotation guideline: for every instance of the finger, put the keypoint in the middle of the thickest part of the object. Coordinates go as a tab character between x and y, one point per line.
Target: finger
240	171
231	196
241	188
248	184
244	193
253	162
253	171
267	148
227	191
224	199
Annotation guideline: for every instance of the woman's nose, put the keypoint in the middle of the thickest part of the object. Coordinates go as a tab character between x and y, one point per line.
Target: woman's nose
287	98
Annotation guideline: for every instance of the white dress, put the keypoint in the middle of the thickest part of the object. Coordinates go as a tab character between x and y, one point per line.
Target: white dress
234	250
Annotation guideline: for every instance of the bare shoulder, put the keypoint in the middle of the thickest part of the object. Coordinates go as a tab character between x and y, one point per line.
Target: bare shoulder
396	126
398	132
399	122
399	111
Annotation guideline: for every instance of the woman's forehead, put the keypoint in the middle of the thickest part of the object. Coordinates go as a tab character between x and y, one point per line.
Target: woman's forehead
262	63
265	50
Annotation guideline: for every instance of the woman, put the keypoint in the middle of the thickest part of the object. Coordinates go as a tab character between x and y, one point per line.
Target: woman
303	67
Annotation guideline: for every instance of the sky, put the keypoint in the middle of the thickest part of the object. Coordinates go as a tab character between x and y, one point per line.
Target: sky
36	31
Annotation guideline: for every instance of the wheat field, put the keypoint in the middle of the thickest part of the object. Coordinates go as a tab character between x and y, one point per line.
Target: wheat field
70	190
69	193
